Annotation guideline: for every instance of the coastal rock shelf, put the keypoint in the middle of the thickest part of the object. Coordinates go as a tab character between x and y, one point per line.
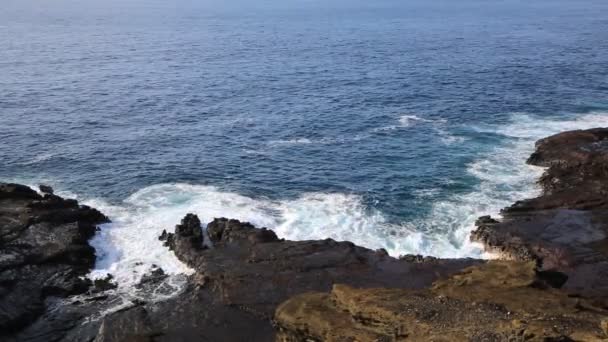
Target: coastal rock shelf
498	301
250	285
564	230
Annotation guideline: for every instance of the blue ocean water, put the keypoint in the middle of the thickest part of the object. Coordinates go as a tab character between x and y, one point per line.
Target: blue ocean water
391	123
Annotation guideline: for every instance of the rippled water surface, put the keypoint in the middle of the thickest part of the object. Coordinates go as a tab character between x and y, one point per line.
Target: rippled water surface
393	124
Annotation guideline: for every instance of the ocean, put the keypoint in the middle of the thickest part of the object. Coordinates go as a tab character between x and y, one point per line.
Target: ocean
392	124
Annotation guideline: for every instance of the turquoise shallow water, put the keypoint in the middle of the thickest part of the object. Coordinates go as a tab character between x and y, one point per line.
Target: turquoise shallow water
393	124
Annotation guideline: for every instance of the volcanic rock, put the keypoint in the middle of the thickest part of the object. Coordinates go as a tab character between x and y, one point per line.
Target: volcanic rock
44	252
565	230
45	189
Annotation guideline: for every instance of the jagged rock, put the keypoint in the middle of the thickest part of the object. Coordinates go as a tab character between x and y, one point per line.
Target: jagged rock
223	230
44	252
104	284
564	230
188	234
45	189
152	278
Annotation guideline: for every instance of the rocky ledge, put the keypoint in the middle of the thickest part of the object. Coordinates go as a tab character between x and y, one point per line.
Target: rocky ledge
44	252
243	273
565	230
250	285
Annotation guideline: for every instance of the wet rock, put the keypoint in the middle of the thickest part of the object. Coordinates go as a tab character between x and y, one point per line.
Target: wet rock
152	278
45	189
163	236
44	252
104	284
417	258
188	235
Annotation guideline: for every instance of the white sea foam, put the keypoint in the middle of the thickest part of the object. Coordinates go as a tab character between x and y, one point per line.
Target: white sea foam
437	125
296	141
409	120
321	141
426	193
503	179
40	158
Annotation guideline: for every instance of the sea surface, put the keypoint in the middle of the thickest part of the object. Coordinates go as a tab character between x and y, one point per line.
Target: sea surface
390	123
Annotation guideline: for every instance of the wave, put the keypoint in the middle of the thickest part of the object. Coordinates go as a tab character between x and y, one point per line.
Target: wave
410	120
296	141
321	141
129	247
40	158
436	125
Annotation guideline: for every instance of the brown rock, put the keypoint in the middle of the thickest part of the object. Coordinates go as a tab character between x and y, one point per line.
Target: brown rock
493	302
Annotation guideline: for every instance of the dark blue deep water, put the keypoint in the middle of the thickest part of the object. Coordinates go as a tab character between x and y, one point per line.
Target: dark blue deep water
392	123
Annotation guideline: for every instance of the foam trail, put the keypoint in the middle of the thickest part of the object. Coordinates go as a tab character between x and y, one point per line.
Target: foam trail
409	120
437	125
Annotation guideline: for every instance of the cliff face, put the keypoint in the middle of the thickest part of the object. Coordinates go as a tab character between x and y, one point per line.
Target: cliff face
249	285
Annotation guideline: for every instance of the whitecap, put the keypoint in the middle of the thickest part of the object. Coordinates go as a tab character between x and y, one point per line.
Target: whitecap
40	158
296	141
410	120
426	193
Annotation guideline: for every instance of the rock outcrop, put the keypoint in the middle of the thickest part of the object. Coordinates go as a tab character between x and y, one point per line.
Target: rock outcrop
44	252
243	273
565	230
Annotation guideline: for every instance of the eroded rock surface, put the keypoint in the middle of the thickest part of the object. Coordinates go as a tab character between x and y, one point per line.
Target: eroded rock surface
44	252
498	301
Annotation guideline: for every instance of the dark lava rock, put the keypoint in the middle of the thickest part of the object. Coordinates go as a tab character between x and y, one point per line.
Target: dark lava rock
153	278
45	189
188	234
44	252
104	284
565	230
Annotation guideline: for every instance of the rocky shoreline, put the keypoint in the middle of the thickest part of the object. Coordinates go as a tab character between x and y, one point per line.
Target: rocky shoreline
551	283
